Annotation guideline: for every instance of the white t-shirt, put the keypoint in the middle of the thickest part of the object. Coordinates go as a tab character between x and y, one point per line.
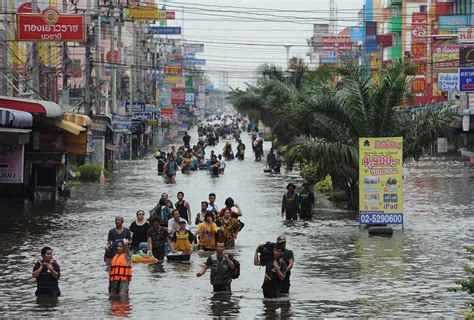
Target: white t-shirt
173	226
221	164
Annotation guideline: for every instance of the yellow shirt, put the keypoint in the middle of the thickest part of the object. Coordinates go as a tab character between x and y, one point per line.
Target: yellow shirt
182	242
207	235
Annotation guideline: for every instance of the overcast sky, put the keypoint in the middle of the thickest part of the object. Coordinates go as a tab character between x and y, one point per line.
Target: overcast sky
222	24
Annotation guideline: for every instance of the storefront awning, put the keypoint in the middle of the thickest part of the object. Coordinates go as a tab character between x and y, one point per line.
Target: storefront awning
79	119
16	119
68	126
43	108
14	136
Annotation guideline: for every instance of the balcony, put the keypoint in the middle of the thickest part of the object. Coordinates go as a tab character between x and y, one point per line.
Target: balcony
395	24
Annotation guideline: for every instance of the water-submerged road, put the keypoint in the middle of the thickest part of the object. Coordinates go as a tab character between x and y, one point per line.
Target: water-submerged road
339	270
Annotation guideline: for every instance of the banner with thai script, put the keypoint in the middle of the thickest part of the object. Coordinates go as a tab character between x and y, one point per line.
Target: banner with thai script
50	26
11	164
381	180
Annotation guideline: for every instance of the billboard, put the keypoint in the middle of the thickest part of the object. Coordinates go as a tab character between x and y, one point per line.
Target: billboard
148	13
50	26
167	113
357	34
11	164
466	79
448	82
189	99
165	95
193	48
336	43
137	107
178	96
445	56
452	23
381	180
466	56
171	70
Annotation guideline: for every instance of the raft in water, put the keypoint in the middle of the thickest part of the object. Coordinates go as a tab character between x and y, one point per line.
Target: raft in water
178	257
143	258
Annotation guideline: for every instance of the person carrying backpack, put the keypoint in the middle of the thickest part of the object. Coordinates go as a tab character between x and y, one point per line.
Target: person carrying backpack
224	268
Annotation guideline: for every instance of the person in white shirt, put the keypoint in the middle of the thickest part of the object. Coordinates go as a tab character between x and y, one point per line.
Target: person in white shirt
173	223
221	164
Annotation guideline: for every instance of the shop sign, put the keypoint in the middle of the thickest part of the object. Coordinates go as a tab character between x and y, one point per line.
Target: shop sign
357	34
448	82
466	35
451	23
121	123
419	26
165	95
173	80
50	26
167	113
445	56
173	70
11	163
193	48
381	180
137	107
466	56
189	98
466	79
143	115
47	141
178	96
336	43
165	30
418	85
418	49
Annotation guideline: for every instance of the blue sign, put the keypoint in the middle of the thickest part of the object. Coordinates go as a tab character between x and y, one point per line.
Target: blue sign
466	79
448	82
190	55
121	124
380	218
165	30
189	98
452	22
329	57
196	62
357	34
137	107
143	115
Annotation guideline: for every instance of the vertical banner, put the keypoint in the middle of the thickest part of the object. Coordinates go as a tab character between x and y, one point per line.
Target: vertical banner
11	163
381	180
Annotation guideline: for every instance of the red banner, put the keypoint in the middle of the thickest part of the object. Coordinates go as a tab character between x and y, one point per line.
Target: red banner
50	26
418	49
173	70
418	85
167	113
178	96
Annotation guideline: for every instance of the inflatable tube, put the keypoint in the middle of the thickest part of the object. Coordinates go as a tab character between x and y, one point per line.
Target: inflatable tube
143	258
380	230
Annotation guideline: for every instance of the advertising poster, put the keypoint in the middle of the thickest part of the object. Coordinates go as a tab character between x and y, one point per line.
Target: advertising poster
381	180
11	164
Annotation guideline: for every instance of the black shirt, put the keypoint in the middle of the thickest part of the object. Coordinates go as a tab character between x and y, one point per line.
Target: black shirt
139	232
45	280
271	282
287	255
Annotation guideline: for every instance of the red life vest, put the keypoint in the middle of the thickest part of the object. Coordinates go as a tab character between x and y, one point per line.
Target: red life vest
119	269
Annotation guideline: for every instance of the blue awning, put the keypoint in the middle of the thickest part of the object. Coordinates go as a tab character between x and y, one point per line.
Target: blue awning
468	112
15	118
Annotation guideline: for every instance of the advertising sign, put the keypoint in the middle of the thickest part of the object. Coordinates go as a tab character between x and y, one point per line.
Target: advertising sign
385	40
121	124
445	56
466	56
451	23
178	96
418	85
50	26
165	95
336	43
329	57
189	98
148	13
193	47
173	80
448	82
165	30
466	35
167	113
370	37
466	79
137	107
196	62
189	83
418	49
357	34
143	115
171	70
11	163
381	180
419	26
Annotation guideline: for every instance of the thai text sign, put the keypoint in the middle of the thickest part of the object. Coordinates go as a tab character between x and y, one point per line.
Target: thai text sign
446	56
466	79
336	43
173	70
11	164
50	26
178	96
448	82
167	113
381	180
418	85
165	30
148	13
452	22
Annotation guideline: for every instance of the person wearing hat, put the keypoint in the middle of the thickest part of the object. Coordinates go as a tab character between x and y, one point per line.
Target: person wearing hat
290	203
289	259
306	202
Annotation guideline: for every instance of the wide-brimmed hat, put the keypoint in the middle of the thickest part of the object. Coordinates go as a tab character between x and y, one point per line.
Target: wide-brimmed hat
290	185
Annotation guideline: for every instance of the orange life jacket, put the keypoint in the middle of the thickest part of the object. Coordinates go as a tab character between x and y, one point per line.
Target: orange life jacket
119	269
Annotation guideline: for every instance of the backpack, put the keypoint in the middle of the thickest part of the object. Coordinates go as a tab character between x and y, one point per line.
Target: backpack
235	273
266	252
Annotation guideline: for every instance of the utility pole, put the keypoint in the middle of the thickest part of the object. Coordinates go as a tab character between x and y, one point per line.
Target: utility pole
88	80
97	30
118	76
287	47
65	91
34	61
113	81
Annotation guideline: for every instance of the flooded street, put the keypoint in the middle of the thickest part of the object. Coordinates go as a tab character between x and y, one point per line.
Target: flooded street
339	270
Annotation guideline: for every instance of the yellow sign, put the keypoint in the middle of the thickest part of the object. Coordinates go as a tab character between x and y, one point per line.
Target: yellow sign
145	13
173	80
381	180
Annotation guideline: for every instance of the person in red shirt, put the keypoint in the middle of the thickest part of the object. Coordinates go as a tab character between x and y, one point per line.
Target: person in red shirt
236	214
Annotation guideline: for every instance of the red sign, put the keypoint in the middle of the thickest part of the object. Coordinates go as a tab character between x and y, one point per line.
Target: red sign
178	96
167	113
173	70
27	7
170	15
418	85
420	66
419	26
50	26
108	56
385	40
418	49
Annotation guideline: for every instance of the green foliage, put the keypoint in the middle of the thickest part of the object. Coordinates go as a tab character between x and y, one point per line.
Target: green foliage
337	196
309	171
91	172
325	185
467	285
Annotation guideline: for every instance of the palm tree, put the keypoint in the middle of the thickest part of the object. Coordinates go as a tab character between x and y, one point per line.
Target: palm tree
331	117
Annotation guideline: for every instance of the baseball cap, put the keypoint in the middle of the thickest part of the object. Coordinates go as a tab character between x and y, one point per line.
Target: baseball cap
281	238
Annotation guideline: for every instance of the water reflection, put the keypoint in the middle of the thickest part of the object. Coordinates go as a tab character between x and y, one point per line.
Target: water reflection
120	307
224	304
47	303
277	308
